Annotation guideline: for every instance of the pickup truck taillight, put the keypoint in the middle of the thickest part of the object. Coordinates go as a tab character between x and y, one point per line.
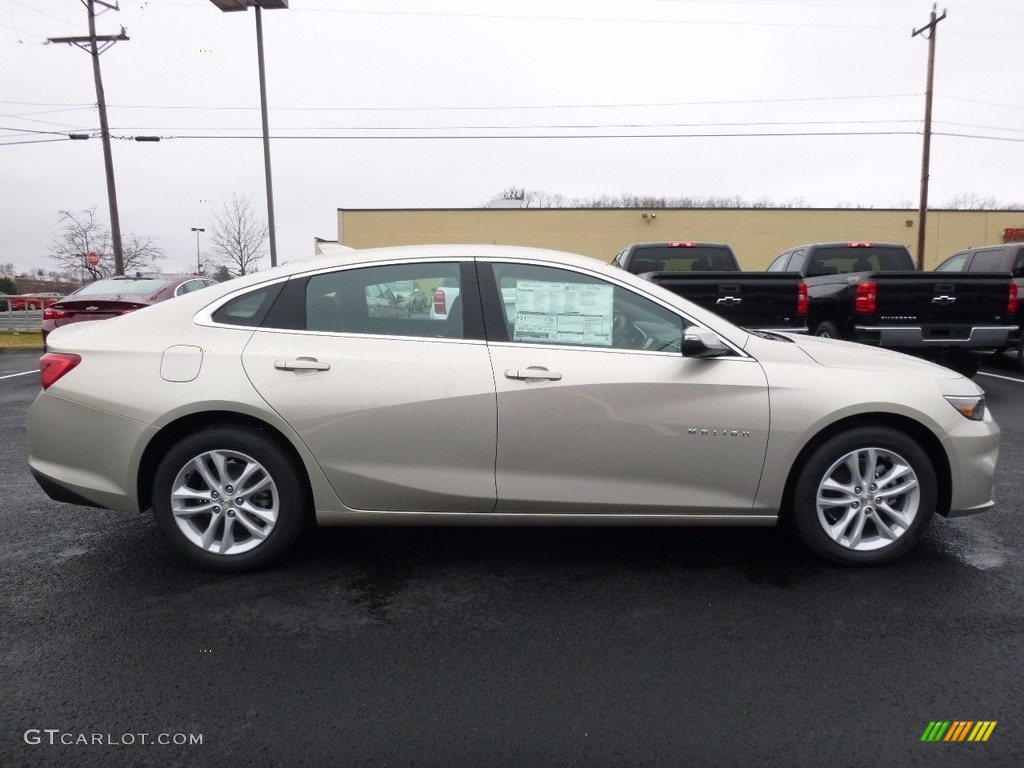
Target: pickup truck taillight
1011	302
440	303
866	299
801	298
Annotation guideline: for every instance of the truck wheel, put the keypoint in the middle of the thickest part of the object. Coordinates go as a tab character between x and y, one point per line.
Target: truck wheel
827	330
865	496
968	364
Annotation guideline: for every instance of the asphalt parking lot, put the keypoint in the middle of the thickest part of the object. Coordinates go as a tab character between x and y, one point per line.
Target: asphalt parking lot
532	647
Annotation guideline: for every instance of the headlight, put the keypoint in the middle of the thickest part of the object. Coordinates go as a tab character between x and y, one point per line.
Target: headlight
970	406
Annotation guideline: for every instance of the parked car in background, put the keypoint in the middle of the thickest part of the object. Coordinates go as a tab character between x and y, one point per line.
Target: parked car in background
443	298
872	293
709	274
32	301
104	299
241	413
1008	257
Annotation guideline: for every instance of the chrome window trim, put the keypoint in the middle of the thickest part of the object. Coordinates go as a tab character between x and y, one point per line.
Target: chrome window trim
347	335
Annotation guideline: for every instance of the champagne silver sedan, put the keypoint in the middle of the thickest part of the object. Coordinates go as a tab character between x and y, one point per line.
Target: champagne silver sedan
244	412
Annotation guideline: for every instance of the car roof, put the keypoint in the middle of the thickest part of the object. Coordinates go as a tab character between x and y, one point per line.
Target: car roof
435	252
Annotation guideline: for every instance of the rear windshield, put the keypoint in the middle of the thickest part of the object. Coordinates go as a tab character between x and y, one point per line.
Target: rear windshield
666	258
840	260
142	286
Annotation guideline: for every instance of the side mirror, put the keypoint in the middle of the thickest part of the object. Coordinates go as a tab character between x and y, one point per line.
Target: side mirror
703	342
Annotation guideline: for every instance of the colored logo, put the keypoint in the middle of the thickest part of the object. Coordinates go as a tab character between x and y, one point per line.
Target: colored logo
958	730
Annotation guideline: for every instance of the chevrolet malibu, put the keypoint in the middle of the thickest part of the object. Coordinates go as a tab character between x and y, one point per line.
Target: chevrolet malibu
246	411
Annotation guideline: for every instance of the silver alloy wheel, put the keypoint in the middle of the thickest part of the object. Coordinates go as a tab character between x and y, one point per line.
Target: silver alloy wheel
868	499
224	502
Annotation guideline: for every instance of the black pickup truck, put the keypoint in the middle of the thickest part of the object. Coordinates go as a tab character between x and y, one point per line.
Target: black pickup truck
871	293
995	258
709	275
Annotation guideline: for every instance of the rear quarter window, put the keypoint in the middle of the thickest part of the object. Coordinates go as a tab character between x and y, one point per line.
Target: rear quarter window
249	309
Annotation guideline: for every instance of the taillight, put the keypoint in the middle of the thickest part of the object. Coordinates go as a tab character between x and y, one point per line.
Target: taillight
866	299
440	303
54	313
1011	302
801	298
860	244
682	244
53	365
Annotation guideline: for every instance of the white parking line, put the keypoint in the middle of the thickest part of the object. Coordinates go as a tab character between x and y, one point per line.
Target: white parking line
1004	378
12	375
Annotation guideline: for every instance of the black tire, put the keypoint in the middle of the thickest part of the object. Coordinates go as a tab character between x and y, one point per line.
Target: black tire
826	329
915	504
1020	352
968	364
277	510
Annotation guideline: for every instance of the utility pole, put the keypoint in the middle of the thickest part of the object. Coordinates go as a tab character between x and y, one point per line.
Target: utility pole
90	44
922	215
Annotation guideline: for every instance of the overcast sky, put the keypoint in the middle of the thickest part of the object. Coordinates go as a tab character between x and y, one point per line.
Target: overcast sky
383	103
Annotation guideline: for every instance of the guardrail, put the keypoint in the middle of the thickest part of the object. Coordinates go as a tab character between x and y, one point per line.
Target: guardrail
22	320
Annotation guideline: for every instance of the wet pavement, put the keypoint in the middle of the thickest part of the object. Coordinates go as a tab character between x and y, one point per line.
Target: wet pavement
532	647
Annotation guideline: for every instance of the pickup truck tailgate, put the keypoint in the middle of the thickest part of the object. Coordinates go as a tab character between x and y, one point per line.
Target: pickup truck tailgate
963	299
748	299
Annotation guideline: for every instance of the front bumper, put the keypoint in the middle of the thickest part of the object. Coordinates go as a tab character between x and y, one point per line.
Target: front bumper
973	449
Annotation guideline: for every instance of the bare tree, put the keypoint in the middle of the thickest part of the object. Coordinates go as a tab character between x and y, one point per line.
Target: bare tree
77	236
237	237
139	252
533	198
80	234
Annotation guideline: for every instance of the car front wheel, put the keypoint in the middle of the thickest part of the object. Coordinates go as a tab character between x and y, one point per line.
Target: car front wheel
229	498
865	496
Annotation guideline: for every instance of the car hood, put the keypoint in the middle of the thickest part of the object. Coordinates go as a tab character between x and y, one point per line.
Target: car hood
846	354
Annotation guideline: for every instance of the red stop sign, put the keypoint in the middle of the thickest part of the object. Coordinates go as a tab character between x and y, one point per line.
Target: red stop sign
94	258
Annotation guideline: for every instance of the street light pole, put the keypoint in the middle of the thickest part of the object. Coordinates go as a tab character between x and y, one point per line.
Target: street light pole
199	262
259	5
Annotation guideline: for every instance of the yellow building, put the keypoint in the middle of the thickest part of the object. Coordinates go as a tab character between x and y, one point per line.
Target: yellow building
757	235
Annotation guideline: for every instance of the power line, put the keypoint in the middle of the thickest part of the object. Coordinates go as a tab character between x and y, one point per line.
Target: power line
563	136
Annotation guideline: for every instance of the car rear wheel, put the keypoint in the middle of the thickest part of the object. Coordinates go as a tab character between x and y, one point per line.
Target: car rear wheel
865	496
229	498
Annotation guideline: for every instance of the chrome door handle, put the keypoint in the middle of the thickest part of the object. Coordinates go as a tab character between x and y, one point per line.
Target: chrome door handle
301	364
532	374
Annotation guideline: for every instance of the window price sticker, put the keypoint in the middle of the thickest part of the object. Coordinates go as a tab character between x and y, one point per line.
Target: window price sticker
564	313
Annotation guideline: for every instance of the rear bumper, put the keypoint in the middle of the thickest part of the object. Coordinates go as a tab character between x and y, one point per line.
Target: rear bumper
919	337
84	455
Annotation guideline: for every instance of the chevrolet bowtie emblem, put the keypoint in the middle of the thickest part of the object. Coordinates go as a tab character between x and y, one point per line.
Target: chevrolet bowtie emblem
944	300
91	309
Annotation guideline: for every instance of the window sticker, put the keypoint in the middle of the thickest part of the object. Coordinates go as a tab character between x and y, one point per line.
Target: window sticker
564	313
